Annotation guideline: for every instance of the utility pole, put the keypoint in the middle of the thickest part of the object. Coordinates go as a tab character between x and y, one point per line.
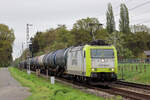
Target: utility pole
91	29
28	43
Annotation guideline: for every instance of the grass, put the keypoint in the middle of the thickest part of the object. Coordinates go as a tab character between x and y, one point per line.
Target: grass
138	73
41	88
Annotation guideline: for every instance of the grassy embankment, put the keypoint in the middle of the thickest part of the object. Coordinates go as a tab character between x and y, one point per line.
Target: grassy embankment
41	88
139	73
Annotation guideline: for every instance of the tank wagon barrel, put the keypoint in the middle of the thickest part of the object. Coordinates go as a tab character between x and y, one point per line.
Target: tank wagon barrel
48	61
40	60
56	59
60	58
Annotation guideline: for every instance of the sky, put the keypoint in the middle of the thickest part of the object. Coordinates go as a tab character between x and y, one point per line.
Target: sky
45	14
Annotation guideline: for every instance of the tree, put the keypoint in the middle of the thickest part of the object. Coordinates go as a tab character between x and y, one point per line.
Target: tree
81	29
63	38
124	19
110	24
52	39
35	42
116	38
6	41
138	43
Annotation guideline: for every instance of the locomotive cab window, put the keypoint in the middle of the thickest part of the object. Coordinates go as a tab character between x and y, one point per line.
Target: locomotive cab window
100	53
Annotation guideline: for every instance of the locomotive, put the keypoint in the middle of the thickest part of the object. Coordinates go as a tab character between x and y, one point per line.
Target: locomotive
95	63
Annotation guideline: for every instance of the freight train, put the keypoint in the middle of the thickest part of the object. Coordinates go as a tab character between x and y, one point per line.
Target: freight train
90	62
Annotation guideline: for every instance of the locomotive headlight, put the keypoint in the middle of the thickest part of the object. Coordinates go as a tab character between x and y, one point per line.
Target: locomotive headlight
103	60
112	69
92	69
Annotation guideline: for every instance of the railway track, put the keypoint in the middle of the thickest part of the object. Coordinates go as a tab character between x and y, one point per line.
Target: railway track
136	85
126	93
133	95
125	90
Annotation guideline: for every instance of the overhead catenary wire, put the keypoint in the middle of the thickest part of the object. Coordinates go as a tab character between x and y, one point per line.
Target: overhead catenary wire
127	1
135	7
140	5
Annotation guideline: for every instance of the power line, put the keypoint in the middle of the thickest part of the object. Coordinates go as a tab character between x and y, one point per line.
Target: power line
137	6
125	2
140	5
122	1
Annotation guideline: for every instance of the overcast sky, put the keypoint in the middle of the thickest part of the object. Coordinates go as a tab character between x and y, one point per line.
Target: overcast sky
45	14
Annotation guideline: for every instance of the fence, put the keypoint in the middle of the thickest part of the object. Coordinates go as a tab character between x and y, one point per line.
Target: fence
134	70
138	60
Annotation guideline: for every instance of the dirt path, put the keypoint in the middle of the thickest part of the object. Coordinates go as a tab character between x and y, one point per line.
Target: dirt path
10	89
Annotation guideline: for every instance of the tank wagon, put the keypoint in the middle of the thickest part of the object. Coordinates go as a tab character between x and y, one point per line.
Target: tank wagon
86	63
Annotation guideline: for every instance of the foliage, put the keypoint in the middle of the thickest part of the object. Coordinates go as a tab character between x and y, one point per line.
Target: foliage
51	40
42	89
129	44
116	38
6	41
138	42
110	24
82	30
124	19
61	37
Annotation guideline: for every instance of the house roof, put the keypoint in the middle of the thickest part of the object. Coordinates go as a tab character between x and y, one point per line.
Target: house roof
147	53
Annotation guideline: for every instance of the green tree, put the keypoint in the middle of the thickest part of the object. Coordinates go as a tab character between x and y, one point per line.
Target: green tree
110	21
81	29
52	39
63	39
116	38
139	42
6	42
124	19
35	42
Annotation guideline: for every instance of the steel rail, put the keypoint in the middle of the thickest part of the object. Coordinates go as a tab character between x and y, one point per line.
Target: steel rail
111	90
134	85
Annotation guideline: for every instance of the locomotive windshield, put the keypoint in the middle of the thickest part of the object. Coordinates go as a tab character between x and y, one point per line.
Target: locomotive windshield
101	53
